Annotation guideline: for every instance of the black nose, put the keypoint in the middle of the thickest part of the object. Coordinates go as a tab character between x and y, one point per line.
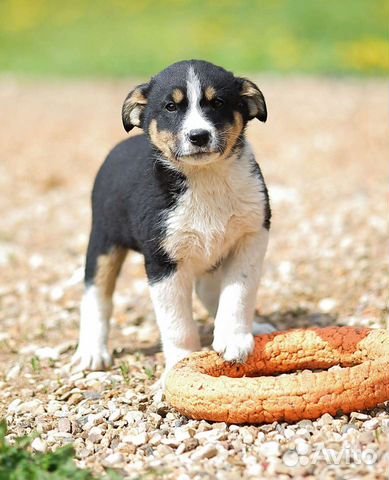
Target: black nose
199	137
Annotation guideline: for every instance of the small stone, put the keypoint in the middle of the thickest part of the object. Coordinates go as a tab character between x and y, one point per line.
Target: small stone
133	416
95	434
84	452
129	395
359	416
385	425
306	424
75	399
139	439
47	353
182	434
60	436
38	445
289	433
219	426
349	427
204	426
155	419
371	424
35	261
206	451
270	449
172	442
13	372
302	447
326	305
261	437
33	407
115	415
155	439
163	450
325	419
13	407
191	444
247	437
162	409
56	293
180	449
64	425
210	436
159	395
234	428
53	406
113	459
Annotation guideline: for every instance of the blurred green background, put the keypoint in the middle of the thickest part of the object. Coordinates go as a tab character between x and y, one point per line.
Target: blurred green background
137	38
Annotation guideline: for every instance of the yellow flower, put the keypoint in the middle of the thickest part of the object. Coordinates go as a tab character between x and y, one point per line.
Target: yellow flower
368	54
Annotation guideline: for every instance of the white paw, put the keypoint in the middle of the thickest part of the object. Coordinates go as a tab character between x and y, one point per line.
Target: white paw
91	359
160	384
263	328
234	347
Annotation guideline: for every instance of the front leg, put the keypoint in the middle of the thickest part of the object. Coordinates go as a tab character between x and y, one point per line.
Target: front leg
233	336
172	300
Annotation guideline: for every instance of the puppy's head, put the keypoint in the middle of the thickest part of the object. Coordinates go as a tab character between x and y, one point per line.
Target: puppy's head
194	112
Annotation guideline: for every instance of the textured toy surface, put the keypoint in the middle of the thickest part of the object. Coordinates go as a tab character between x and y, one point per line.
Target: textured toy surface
280	380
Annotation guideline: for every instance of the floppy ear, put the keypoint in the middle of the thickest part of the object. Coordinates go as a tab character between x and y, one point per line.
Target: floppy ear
254	99
133	107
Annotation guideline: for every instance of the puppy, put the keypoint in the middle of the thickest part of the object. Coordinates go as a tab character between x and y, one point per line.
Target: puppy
188	195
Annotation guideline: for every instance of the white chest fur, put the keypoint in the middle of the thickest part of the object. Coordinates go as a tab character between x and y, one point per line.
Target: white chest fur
223	202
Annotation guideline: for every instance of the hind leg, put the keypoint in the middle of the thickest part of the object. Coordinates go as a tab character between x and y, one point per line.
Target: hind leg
208	290
103	264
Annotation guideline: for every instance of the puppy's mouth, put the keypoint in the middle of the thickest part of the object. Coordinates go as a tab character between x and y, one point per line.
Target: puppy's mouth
199	158
196	154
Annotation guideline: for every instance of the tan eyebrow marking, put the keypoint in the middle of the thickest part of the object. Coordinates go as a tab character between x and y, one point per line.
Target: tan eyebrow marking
210	93
178	95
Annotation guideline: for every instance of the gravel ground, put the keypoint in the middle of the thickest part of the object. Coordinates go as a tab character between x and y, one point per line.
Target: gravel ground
324	155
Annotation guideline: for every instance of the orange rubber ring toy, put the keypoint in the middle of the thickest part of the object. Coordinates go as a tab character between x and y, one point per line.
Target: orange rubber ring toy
204	386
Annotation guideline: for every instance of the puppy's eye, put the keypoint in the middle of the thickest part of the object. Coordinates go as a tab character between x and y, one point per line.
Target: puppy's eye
171	107
217	103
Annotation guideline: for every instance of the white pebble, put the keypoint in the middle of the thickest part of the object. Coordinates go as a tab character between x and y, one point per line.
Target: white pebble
33	406
270	449
139	439
130	394
326	305
234	428
56	293
115	415
95	434
289	433
247	437
207	451
14	405
38	445
182	434
113	459
13	372
133	417
371	424
47	353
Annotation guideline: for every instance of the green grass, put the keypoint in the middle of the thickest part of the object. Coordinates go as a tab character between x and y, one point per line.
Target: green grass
130	38
18	463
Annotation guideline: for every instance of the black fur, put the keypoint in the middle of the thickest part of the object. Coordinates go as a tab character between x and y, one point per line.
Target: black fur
132	192
267	219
